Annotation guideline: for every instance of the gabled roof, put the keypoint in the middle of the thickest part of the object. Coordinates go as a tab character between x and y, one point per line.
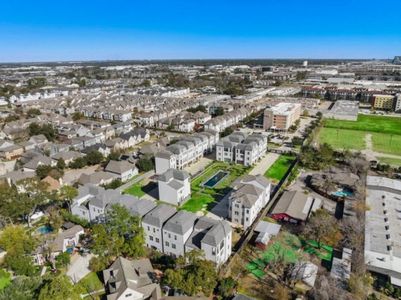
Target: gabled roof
171	174
119	167
158	216
181	222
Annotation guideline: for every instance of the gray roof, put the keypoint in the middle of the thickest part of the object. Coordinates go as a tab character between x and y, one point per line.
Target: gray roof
208	231
173	174
181	222
95	178
158	216
136	275
247	194
164	154
141	207
119	167
294	204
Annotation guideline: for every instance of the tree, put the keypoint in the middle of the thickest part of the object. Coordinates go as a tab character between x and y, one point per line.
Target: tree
192	274
94	157
22	204
323	228
226	132
219	111
78	163
33	112
67	193
61	164
43	170
46	129
55	220
145	164
59	288
19	246
227	287
63	259
22	288
76	116
98	263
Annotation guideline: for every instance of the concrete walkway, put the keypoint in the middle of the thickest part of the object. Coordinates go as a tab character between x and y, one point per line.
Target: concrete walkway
135	180
266	162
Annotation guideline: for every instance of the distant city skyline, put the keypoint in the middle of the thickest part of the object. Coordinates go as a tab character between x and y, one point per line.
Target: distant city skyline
126	30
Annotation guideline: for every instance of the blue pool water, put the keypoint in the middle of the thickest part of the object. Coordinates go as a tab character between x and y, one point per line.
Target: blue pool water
45	229
212	181
344	192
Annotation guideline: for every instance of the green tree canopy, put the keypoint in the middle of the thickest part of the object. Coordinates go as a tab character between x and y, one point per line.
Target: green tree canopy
59	288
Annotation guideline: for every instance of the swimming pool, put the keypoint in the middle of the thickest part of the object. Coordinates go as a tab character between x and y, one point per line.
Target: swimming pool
343	192
45	229
215	179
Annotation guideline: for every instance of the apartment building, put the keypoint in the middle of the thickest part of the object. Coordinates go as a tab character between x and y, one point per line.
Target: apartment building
281	116
213	237
383	102
174	187
398	103
186	151
153	223
176	232
241	148
250	195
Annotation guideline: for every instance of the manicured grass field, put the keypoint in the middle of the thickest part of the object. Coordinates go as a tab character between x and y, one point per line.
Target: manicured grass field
343	138
279	168
135	190
387	143
5	279
372	123
90	282
385	131
203	198
390	161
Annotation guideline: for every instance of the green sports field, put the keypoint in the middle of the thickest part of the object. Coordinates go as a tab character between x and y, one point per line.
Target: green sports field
342	138
385	133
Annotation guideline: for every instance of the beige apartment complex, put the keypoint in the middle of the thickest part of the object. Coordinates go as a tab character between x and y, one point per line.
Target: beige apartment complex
383	102
281	116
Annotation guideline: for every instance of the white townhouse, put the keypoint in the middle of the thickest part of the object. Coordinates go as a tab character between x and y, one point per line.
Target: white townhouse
123	169
241	149
250	195
186	151
176	232
213	237
174	187
153	223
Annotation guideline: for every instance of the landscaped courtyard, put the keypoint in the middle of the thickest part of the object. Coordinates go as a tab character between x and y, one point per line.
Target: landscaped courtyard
135	190
380	134
204	198
279	168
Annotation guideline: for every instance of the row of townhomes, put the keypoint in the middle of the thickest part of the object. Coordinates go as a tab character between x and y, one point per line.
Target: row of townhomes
175	233
227	120
166	230
185	151
241	148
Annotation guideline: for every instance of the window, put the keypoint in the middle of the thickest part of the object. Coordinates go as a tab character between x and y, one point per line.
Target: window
169	235
148	228
154	231
151	238
173	246
128	295
175	237
167	244
157	240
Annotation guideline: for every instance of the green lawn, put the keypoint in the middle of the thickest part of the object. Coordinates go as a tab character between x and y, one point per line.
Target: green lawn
372	123
343	138
387	143
203	198
90	282
390	161
135	190
5	279
279	168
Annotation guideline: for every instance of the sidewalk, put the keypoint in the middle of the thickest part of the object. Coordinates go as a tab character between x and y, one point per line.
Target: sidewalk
266	162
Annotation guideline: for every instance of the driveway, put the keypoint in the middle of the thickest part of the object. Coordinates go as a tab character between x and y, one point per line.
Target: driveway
266	162
79	267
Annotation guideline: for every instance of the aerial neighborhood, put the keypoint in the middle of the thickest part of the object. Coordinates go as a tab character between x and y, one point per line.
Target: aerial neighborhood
201	180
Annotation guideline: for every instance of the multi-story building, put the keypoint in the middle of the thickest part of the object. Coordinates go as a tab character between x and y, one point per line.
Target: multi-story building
186	151
241	148
397	107
383	102
174	186
153	223
281	116
250	195
176	232
213	237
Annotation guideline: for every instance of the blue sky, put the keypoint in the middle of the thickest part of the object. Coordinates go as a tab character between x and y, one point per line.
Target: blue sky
170	29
